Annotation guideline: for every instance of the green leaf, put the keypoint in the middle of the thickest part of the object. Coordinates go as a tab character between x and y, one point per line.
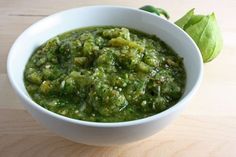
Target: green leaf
205	31
185	19
194	19
206	35
216	36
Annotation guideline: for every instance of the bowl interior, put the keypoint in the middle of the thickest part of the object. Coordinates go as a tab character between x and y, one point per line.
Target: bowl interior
64	21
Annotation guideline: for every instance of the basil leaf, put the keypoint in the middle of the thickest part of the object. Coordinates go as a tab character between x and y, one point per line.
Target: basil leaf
205	31
185	19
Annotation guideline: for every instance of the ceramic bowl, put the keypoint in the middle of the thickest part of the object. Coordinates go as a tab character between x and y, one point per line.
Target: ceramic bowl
94	133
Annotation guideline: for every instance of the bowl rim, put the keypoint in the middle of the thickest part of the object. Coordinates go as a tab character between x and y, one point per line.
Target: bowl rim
157	116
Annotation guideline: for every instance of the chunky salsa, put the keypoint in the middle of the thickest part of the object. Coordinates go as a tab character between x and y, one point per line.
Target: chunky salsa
105	74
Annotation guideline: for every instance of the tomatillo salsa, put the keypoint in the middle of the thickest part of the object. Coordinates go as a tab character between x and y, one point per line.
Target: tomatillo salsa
105	74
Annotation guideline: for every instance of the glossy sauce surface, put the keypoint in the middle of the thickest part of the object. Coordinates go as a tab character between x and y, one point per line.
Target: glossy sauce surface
105	74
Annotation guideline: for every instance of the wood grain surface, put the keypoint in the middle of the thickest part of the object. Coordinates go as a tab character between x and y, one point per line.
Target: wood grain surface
206	128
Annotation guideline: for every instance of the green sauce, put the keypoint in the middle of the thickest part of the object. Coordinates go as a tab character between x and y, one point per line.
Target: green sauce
105	74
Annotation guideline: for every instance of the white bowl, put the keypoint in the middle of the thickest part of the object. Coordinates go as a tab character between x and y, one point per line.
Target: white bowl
94	133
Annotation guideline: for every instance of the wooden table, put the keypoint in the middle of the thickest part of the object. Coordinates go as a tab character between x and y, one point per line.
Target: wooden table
207	127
